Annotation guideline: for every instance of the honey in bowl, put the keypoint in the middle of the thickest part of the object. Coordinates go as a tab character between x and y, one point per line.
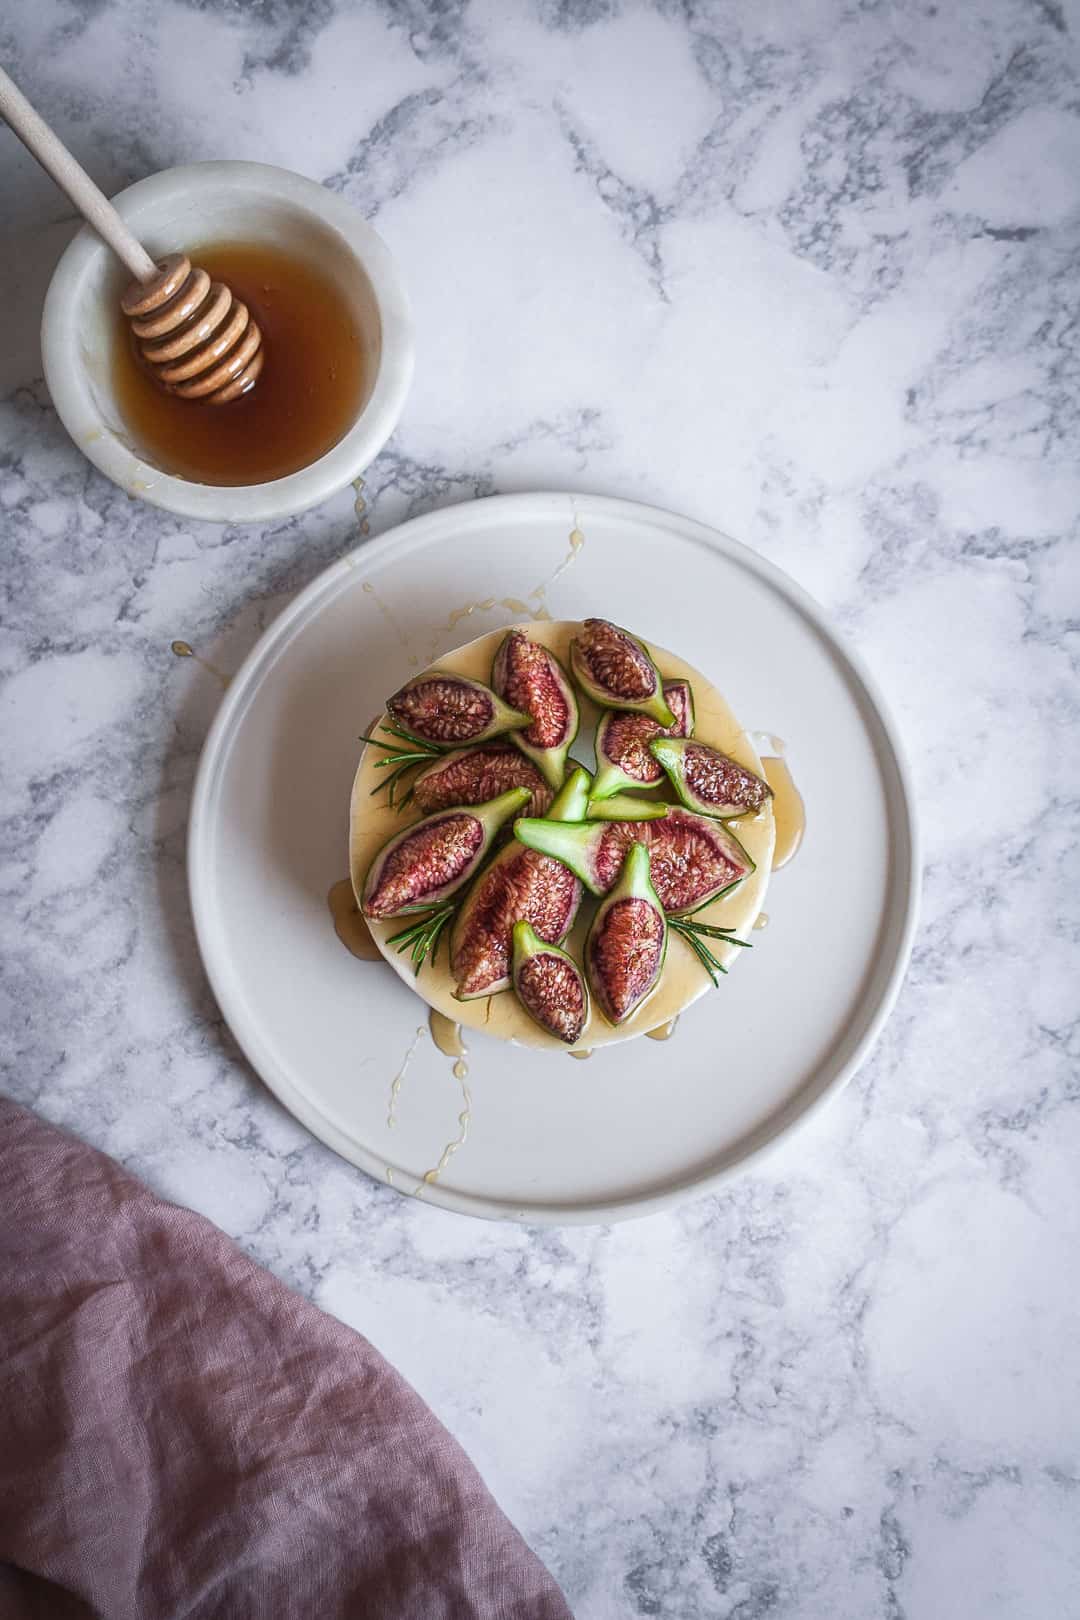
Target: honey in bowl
305	400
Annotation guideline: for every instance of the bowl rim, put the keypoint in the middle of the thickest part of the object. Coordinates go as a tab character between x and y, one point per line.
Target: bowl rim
73	399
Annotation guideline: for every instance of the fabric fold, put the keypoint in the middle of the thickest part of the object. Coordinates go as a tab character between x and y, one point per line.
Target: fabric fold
185	1438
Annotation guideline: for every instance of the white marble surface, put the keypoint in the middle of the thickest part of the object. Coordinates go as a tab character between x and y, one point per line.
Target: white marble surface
808	272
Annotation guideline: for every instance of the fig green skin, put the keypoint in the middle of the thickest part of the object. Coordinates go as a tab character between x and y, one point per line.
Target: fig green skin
622	807
610	777
655	706
670	754
568	805
528	946
503	717
577	844
550	762
571	801
634	883
490	816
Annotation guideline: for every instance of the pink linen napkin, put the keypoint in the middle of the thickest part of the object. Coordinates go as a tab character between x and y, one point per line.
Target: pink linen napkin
183	1436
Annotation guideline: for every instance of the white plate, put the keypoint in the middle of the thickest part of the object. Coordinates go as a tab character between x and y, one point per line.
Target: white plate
549	1139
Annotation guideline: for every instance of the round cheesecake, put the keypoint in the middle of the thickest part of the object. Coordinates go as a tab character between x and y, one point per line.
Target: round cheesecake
372	822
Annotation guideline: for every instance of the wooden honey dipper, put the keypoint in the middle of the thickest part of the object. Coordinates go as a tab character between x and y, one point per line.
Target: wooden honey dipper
196	339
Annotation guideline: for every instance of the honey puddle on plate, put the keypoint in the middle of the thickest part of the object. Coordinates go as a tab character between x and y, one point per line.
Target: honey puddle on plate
447	1037
789	812
349	924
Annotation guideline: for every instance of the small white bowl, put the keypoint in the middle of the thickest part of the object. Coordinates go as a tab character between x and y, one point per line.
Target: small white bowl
204	202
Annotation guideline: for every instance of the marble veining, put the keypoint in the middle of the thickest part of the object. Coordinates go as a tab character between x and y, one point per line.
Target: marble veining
808	273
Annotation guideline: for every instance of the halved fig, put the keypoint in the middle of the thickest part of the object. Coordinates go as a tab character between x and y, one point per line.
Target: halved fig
519	885
624	807
549	985
474	775
694	859
431	860
440	707
707	781
627	943
623	759
527	676
616	670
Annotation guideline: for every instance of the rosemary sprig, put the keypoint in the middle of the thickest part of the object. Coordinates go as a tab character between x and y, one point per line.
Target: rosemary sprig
693	933
421	938
712	931
401	756
402	736
398	759
391	783
700	950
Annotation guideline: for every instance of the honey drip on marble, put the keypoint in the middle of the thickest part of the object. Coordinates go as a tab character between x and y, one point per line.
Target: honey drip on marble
184	649
349	924
789	812
360	507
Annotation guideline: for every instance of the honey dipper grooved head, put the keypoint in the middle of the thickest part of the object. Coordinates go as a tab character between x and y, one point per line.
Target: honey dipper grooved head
196	339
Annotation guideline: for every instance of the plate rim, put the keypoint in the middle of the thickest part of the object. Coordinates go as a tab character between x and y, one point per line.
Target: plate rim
245	684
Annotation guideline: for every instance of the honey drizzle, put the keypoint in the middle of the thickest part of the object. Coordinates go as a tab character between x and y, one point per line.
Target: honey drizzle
395	1084
662	1032
535	607
360	507
585	1052
447	1036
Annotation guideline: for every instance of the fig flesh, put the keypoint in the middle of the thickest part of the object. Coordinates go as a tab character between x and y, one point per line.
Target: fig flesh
627	943
709	782
694	858
440	707
519	885
616	670
474	775
530	678
550	986
623	759
431	860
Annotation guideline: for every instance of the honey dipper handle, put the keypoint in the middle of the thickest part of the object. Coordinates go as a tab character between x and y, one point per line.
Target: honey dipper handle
55	158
